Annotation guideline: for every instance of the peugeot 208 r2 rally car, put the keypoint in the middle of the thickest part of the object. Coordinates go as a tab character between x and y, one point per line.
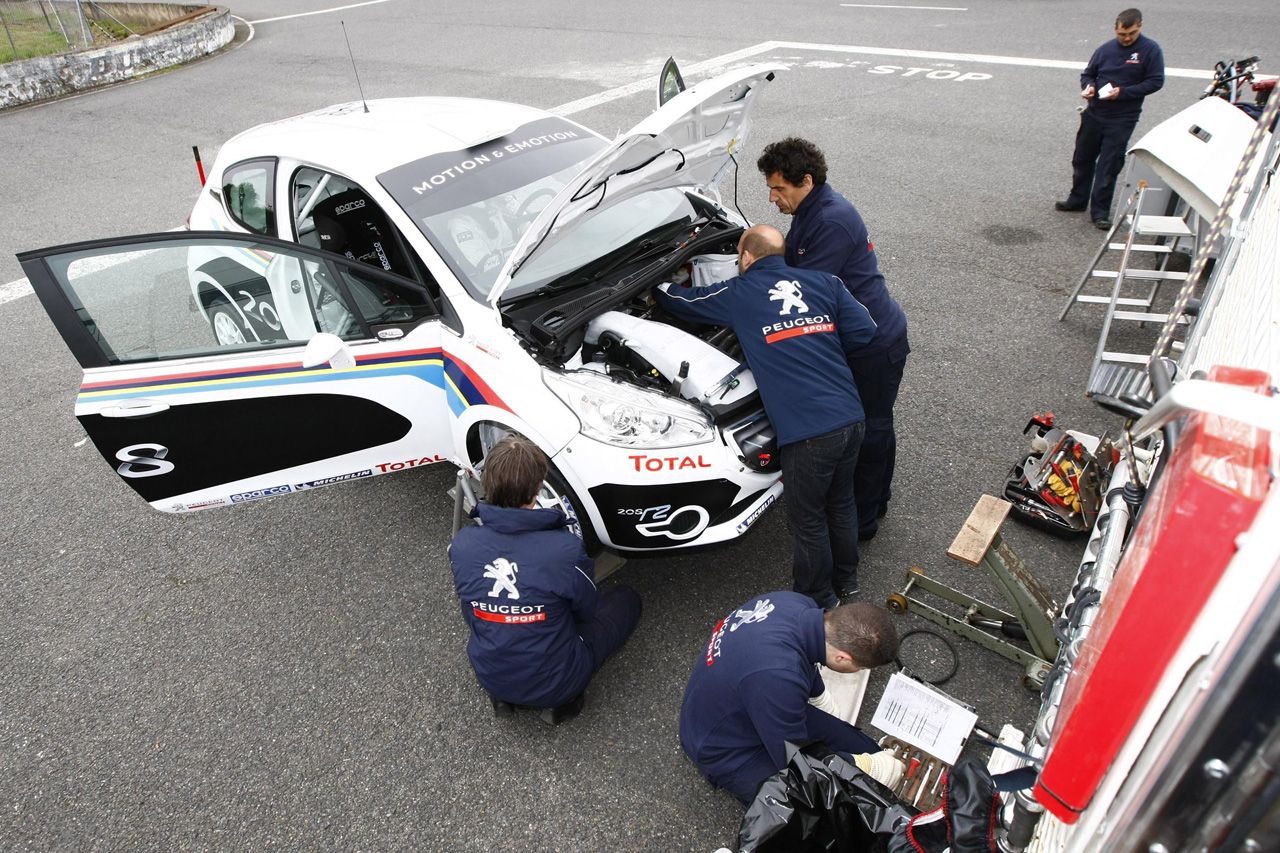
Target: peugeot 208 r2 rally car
366	291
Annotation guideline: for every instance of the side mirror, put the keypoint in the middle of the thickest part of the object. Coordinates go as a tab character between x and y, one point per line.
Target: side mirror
670	83
324	348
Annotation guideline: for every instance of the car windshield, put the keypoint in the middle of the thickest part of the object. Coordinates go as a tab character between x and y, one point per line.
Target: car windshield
474	204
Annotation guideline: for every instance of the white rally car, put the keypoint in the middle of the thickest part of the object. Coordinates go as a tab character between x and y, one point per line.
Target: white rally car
365	290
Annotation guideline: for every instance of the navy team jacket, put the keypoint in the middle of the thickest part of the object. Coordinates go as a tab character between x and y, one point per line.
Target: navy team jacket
751	684
525	585
797	328
1137	69
827	234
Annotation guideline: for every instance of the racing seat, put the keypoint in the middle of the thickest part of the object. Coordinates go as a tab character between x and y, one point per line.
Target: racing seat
350	223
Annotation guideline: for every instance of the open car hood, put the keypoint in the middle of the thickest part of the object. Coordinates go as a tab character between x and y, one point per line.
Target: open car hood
686	142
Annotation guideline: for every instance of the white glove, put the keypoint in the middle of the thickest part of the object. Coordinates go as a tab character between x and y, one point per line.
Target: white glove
881	766
825	702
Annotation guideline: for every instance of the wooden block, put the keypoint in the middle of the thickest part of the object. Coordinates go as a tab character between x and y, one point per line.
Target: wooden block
979	531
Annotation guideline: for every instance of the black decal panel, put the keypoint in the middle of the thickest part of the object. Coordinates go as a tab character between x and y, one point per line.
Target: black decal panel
208	444
662	516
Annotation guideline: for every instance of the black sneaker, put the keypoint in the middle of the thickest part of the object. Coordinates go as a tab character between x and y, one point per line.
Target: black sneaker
848	594
1102	224
1067	207
564	713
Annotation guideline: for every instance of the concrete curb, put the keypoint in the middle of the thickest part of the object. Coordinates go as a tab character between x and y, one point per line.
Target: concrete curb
41	78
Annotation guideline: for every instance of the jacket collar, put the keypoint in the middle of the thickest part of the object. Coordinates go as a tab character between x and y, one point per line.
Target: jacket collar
768	262
519	520
813	200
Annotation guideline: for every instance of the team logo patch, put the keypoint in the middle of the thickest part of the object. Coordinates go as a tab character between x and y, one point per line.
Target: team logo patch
503	574
759	613
789	294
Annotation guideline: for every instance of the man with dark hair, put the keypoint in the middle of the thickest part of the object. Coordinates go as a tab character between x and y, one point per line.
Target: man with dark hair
539	628
750	690
1120	74
797	329
828	234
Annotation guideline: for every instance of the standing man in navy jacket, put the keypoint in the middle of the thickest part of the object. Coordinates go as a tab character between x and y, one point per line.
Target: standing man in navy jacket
1119	75
539	628
828	234
749	692
797	329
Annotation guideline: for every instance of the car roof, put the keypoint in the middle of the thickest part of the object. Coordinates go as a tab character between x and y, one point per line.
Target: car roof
394	131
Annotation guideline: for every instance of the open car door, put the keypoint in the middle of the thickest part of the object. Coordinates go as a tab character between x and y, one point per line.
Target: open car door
221	368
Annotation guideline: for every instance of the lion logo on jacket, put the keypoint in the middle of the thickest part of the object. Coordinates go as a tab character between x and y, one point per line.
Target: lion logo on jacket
503	573
789	293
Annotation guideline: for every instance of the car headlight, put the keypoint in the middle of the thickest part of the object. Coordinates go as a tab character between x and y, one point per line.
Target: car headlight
619	414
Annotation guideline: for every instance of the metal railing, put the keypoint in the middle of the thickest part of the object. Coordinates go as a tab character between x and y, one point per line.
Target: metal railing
40	27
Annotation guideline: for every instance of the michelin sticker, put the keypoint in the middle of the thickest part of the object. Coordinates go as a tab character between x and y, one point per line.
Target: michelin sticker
258	494
325	481
755	516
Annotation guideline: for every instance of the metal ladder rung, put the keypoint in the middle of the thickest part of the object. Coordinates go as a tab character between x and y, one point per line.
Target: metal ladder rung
1146	317
1126	358
1161	226
1142	275
1106	300
1142	247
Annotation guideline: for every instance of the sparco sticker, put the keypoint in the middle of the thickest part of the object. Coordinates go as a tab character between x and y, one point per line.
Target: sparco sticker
257	494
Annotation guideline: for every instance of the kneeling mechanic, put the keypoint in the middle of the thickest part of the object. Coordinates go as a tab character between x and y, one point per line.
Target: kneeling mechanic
539	627
750	688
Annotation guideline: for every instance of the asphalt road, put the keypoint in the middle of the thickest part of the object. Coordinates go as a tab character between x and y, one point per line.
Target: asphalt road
291	673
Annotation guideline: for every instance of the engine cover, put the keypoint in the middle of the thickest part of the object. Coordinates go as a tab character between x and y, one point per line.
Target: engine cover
714	378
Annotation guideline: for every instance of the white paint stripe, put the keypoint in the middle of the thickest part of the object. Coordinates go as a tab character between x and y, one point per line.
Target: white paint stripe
15	290
990	59
930	8
318	12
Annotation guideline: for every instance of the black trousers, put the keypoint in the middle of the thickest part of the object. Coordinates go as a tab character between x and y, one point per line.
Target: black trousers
1098	159
878	378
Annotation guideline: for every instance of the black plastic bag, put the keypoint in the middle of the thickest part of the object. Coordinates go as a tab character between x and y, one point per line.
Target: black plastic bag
964	823
821	802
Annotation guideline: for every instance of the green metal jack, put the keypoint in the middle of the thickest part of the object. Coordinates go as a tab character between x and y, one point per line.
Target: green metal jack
979	543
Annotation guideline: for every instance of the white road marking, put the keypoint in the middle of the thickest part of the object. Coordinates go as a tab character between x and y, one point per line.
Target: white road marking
930	8
318	12
20	288
15	290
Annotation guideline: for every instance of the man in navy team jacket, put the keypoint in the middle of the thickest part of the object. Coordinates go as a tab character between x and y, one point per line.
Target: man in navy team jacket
749	692
797	329
1119	75
828	234
539	628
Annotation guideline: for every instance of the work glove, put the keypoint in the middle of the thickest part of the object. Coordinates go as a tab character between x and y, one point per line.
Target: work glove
1063	488
881	766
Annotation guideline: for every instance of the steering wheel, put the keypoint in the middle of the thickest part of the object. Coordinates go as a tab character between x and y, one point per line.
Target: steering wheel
523	213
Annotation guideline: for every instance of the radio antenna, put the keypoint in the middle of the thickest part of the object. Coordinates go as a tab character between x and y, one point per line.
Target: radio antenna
353	65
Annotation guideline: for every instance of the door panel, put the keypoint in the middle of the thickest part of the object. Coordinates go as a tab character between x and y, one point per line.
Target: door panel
195	400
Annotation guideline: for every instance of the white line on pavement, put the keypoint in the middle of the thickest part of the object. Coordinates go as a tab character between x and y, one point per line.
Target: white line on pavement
930	8
15	290
318	12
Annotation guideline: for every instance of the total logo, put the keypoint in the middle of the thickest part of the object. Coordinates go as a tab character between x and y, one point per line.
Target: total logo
644	462
409	463
659	521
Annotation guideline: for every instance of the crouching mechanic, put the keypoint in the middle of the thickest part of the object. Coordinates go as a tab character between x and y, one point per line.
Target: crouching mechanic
539	628
797	328
750	689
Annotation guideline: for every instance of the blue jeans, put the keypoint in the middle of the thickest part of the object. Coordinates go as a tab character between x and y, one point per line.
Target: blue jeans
823	513
1098	158
878	378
